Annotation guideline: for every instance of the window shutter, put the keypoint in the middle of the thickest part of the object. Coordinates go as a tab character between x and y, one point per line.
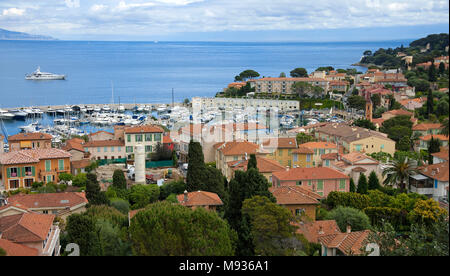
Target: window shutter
23	171
33	171
8	172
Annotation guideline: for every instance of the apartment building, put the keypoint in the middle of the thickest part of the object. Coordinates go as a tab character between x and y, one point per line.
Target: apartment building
147	135
105	149
35	140
284	85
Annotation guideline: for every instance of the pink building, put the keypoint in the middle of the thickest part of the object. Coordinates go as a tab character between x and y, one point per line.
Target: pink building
321	180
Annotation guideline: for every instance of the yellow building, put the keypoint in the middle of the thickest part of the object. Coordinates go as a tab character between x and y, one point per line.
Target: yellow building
319	149
280	149
302	157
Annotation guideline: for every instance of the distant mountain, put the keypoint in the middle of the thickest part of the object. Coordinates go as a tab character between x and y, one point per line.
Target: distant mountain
9	35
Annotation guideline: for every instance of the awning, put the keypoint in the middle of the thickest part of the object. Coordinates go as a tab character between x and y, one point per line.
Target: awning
419	177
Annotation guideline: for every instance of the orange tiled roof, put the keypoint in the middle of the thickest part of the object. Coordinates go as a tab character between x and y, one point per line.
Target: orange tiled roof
303	150
310	174
167	140
436	171
425	126
313	230
74	144
83	163
434	136
329	156
32	156
357	156
399	112
348	243
27	227
238	148
288	195
30	136
443	154
264	165
144	129
319	145
200	198
51	200
99	132
15	249
292	79
280	143
104	143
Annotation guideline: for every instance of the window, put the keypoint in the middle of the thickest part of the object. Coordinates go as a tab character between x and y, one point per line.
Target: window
327	163
280	152
319	185
308	158
119	149
128	138
61	164
138	137
48	165
235	158
105	149
14	184
13	172
29	171
158	137
148	137
28	182
295	157
148	148
289	151
129	149
112	149
299	212
98	149
322	151
309	182
342	184
298	183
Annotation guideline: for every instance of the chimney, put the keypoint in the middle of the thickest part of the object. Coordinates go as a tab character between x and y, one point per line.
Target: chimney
185	196
287	168
349	228
320	230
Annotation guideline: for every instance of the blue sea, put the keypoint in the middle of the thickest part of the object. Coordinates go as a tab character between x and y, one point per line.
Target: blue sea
146	72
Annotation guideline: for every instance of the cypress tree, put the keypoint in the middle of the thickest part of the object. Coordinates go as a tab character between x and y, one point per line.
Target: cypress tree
429	103
362	184
93	193
119	180
196	167
432	72
374	182
252	162
441	68
433	147
352	185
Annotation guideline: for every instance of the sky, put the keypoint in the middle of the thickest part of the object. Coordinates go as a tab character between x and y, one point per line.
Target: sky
226	20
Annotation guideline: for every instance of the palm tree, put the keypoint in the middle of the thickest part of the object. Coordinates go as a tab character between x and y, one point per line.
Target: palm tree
398	171
444	130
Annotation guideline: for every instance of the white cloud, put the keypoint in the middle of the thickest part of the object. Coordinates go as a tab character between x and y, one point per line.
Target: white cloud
72	3
13	12
97	8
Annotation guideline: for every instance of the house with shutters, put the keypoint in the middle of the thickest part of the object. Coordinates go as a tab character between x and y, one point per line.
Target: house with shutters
319	148
34	140
19	169
432	181
147	135
280	149
320	180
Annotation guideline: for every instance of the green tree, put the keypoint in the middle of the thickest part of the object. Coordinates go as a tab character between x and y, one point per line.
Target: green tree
397	171
282	75
445	127
166	229
432	77
271	228
352	186
362	184
357	102
80	180
173	187
119	180
252	163
81	230
429	103
404	144
304	138
93	193
365	124
121	205
196	167
427	212
141	195
66	177
248	74
299	73
2	252
376	100
433	147
374	182
441	68
347	216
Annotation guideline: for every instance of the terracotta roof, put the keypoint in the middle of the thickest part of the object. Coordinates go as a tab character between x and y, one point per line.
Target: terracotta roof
280	143
303	150
287	195
378	121
417	100
357	156
329	156
264	165
200	198
434	136
99	132
104	143
436	171
167	140
50	200
144	129
351	133
319	145
238	148
398	112
74	144
27	227
292	79
425	127
348	243
32	156
30	136
313	230
15	249
132	213
443	154
79	164
310	174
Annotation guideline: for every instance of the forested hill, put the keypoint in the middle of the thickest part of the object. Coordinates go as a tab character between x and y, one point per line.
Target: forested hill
422	50
9	35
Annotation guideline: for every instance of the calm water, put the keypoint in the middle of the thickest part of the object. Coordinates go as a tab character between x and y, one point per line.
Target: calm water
146	72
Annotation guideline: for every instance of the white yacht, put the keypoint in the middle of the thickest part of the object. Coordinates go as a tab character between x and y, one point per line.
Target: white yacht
38	75
4	114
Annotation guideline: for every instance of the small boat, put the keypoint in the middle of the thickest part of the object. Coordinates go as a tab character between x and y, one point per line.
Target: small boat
4	114
38	75
106	108
20	115
121	109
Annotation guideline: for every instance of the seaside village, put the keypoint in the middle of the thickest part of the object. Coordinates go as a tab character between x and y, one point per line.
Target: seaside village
335	177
